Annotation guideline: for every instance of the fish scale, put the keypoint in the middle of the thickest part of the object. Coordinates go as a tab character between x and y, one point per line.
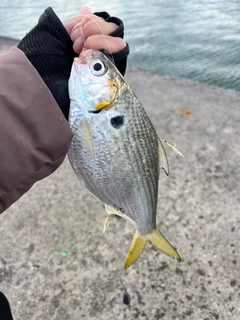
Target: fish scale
140	155
115	151
150	163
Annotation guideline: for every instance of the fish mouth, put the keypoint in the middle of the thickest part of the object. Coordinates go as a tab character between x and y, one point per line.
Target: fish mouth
95	111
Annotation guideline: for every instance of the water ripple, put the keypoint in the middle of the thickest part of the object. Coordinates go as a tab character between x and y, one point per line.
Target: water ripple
196	39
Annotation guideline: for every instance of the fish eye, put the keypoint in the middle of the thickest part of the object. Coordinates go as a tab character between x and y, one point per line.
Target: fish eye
117	122
98	68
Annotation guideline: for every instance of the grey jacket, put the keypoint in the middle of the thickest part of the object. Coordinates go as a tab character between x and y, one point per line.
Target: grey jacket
34	134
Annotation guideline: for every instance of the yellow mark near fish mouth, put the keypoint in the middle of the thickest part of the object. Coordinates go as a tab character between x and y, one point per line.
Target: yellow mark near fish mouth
104	103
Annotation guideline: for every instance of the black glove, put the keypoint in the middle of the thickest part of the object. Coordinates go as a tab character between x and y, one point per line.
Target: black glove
49	48
5	311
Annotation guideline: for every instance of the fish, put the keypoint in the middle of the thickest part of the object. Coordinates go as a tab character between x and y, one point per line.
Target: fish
115	151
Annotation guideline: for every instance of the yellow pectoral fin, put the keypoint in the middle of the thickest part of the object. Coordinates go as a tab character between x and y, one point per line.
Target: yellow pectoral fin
158	240
84	131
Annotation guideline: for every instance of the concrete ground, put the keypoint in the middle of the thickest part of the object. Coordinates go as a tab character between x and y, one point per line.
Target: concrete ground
198	211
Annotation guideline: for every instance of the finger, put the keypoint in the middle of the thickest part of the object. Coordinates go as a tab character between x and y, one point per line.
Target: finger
98	27
76	30
84	11
91	28
91	17
80	35
110	44
69	25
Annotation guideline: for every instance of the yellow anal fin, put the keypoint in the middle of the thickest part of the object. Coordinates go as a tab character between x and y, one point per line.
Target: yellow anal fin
135	249
139	242
158	240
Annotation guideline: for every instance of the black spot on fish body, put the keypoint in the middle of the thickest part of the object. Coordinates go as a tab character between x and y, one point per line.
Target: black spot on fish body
117	122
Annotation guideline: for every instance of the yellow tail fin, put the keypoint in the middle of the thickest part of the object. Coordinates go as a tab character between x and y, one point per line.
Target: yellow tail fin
156	238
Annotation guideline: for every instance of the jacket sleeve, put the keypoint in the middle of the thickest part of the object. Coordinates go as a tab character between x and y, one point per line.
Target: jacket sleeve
34	134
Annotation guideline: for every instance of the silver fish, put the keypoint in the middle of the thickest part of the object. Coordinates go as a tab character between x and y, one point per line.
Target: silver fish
115	151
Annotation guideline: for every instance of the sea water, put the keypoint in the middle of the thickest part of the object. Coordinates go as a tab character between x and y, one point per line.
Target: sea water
195	39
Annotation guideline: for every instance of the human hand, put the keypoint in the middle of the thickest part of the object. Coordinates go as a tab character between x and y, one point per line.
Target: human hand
94	32
53	57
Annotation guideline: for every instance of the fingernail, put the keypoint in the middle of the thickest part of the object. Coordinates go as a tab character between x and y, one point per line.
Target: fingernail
78	45
84	11
75	32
